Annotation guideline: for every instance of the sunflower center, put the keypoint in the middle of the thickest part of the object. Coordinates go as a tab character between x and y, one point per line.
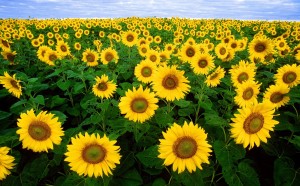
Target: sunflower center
43	53
93	154
213	76
10	57
146	71
102	86
248	93
90	58
130	38
281	44
5	43
253	123
242	77
185	147
52	57
260	47
39	130
14	83
276	97
289	77
190	52
109	57
139	105
63	48
233	45
202	63
170	82
144	50
153	58
222	51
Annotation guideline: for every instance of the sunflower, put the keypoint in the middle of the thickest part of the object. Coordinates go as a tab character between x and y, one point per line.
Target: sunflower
129	38
42	51
77	46
170	83
297	56
153	56
39	132
277	95
144	71
143	50
104	88
9	55
222	51
252	124
63	48
169	48
139	105
4	44
90	57
215	77
6	162
11	84
92	155
35	43
108	55
260	46
242	72
188	52
51	56
288	74
185	147
247	93
203	63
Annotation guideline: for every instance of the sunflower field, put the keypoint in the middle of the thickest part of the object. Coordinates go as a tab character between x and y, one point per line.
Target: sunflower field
149	101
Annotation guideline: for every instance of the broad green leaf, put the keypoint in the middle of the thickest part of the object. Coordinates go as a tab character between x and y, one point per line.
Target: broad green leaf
149	157
284	172
162	118
63	85
129	178
186	111
18	107
296	141
57	101
159	182
39	99
4	115
61	116
182	103
228	154
212	118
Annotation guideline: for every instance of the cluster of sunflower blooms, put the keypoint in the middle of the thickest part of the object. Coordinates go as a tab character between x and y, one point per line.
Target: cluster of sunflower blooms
183	147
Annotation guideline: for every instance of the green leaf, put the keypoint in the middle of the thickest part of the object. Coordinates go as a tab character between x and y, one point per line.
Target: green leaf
78	87
162	118
130	178
18	107
247	174
61	116
186	111
4	115
182	103
284	172
57	101
190	179
296	141
159	182
212	118
8	135
63	85
74	180
149	157
39	99
227	155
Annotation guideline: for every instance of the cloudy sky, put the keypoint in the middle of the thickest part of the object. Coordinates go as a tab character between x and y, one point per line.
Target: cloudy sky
233	9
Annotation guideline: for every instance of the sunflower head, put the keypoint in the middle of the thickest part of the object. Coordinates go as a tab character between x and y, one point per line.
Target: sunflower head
185	147
288	75
104	88
6	162
11	84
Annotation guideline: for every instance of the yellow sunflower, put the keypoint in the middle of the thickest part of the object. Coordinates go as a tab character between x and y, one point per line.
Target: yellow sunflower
153	56
143	50
77	46
90	57
260	47
214	79
242	72
203	63
108	55
247	93
11	84
129	38
185	147
63	48
288	74
277	95
297	56
252	124
4	44
42	51
92	155
222	51
188	52
104	88
170	83
6	162
9	55
138	105
39	132
51	56
144	71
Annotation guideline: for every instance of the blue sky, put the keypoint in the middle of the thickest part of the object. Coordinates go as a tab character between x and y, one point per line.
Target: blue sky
233	9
